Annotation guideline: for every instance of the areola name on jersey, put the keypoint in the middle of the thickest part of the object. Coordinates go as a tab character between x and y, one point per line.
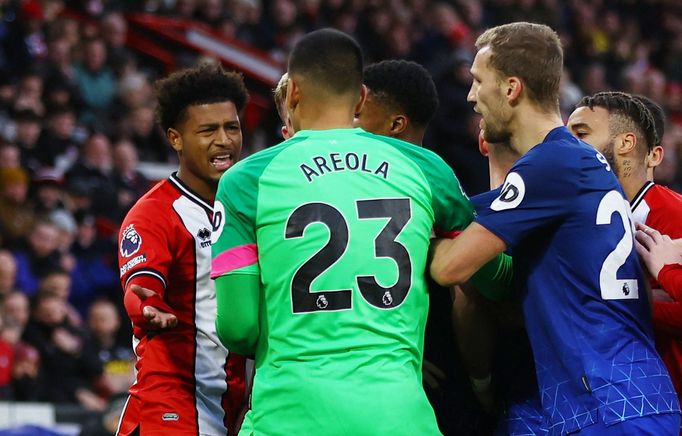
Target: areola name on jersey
350	161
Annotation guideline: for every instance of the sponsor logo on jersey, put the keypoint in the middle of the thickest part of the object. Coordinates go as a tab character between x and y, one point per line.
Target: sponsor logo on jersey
512	193
132	263
218	221
205	236
170	417
130	241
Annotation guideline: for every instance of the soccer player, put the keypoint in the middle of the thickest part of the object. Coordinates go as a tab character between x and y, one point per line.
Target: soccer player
655	156
622	128
187	382
401	100
335	225
280	94
564	215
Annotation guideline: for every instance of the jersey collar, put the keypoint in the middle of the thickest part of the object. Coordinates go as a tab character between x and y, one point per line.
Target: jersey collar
189	192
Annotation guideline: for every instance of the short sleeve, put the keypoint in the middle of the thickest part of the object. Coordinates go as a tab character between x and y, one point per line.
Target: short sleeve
144	246
234	248
452	209
537	191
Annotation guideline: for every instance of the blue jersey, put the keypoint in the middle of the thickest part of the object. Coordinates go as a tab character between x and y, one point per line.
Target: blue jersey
562	213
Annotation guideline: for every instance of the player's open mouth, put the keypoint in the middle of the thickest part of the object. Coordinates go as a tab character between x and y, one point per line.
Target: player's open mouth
222	162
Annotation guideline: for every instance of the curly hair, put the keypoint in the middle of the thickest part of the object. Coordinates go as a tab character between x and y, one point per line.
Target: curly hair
204	84
626	113
403	85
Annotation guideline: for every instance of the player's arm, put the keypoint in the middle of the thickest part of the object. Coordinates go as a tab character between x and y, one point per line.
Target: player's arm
455	261
235	264
238	299
662	257
144	259
667	317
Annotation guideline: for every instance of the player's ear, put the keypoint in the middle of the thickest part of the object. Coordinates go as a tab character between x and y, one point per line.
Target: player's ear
174	138
361	101
293	96
398	124
655	157
514	89
626	144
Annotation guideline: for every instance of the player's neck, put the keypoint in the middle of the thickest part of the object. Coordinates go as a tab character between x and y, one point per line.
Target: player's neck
632	182
415	137
202	188
531	126
316	117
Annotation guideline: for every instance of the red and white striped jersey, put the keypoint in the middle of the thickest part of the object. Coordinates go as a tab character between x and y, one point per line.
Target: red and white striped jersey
661	208
182	372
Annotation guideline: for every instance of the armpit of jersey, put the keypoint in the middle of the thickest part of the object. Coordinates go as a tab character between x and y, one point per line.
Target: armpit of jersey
234	258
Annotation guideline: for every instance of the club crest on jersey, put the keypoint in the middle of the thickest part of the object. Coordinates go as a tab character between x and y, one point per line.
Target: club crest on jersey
387	298
130	241
512	193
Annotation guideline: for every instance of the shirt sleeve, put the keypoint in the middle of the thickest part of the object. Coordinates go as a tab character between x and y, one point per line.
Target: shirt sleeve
670	278
234	248
453	212
536	193
144	257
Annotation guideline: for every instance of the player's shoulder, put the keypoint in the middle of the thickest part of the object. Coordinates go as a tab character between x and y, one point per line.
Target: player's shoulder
252	166
559	154
153	204
427	160
665	195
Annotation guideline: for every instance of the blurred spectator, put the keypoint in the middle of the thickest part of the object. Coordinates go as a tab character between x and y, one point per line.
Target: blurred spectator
10	156
38	256
117	357
96	81
16	214
30	93
71	371
92	174
27	132
26	384
48	191
6	365
149	140
58	283
15	313
26	40
57	147
8	274
130	183
94	274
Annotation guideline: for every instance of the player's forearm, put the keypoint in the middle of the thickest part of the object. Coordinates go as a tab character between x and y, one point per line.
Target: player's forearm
238	299
134	304
455	261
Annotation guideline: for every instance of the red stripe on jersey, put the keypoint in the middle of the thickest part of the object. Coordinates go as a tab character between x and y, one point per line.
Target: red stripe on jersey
234	258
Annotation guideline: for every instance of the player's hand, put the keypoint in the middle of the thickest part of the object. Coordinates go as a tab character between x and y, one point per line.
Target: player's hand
154	316
432	375
656	250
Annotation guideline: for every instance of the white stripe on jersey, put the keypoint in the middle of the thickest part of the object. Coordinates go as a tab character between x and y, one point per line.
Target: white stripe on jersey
211	355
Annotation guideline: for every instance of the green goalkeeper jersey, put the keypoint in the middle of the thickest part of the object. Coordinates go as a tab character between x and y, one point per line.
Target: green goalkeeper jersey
337	224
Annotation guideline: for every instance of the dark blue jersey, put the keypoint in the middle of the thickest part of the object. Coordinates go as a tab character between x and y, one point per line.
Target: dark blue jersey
562	213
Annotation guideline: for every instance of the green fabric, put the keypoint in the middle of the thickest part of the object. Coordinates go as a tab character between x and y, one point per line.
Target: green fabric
237	297
342	220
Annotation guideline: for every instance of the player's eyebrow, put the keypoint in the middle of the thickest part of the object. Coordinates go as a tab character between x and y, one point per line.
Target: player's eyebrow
580	126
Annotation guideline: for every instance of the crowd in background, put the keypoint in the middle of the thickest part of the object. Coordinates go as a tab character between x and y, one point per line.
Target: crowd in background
77	117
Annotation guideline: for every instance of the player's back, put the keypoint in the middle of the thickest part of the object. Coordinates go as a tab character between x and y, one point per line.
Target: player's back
343	223
563	213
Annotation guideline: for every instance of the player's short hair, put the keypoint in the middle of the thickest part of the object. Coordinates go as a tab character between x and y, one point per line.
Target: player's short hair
626	114
531	52
403	85
329	58
205	84
280	94
657	112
